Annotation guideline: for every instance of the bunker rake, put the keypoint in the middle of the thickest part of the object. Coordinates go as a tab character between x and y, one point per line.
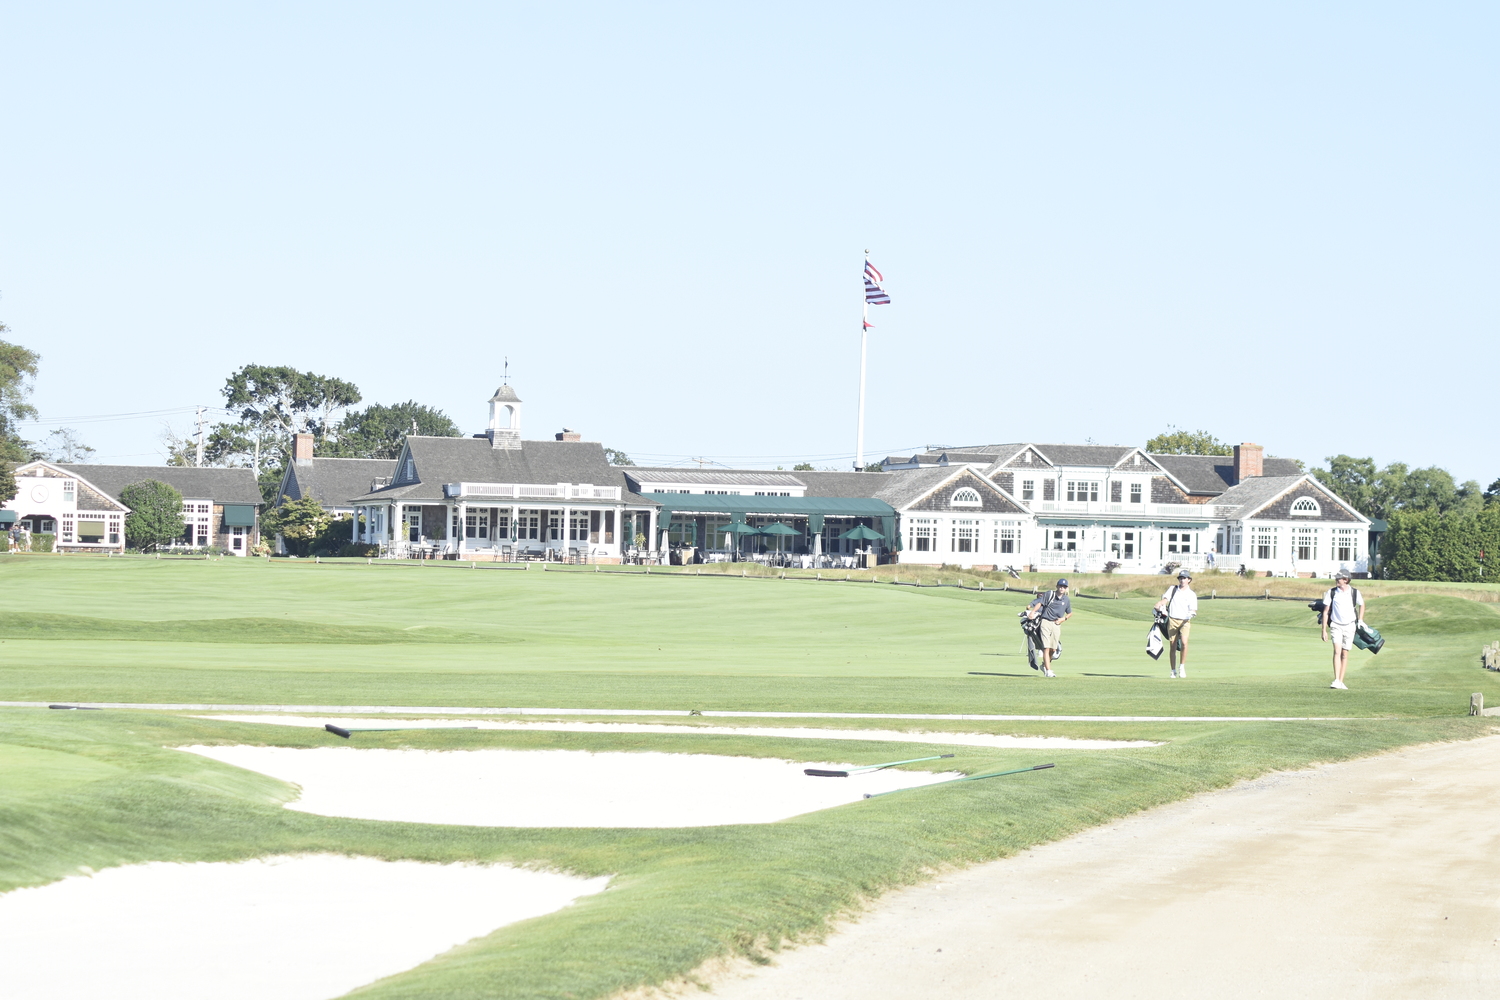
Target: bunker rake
954	781
346	733
820	773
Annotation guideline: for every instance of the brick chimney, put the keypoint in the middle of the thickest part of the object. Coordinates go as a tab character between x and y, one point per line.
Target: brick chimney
302	449
569	434
1249	461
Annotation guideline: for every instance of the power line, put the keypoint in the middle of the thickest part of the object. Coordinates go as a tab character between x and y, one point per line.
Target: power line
140	414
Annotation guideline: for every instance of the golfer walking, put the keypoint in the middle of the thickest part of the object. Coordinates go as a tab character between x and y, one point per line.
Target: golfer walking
1053	608
1343	610
1180	605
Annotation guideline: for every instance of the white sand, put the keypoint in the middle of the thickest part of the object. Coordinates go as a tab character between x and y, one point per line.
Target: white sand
556	788
785	732
1370	879
310	927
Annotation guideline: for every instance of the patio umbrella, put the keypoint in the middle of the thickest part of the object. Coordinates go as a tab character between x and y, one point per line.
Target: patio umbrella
863	534
739	528
780	530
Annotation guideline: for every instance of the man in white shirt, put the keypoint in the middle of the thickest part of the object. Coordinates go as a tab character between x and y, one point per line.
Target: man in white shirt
1343	610
1179	604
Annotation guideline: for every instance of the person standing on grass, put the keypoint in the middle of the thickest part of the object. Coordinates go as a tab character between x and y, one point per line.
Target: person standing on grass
1053	608
1343	610
1179	604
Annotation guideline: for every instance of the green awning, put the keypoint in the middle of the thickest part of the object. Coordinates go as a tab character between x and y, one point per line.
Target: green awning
239	515
91	529
717	503
7	517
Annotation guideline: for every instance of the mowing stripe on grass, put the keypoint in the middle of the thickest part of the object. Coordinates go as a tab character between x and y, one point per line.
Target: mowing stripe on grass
429	710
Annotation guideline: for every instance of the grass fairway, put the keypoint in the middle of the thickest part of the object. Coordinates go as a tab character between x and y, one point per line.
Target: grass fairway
103	788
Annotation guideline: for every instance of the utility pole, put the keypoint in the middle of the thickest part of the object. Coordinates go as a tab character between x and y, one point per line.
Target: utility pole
198	461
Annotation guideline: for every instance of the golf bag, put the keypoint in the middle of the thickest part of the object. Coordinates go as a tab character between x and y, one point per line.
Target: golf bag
1366	637
1156	640
1032	629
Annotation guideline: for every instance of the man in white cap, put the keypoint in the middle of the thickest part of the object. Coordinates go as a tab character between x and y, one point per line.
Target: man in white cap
1179	604
1343	610
1053	608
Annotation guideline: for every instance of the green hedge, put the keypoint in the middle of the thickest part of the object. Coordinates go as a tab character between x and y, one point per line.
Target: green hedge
1427	545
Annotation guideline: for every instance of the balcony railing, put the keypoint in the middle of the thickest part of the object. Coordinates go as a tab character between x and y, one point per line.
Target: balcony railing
532	491
1100	508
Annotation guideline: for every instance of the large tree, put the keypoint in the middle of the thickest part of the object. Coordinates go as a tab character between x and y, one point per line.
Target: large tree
1380	493
64	445
284	398
155	517
378	431
1175	441
18	368
298	522
8	487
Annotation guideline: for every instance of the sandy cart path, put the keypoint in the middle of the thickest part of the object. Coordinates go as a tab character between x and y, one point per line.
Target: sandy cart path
1376	878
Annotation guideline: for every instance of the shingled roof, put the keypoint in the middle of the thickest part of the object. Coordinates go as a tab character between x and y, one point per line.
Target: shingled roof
730	477
332	481
1213	474
236	486
441	460
1255	493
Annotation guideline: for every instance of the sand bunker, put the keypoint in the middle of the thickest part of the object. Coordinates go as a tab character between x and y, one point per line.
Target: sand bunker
784	732
556	788
295	928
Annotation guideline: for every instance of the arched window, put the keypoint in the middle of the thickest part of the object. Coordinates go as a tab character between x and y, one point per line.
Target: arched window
966	498
1306	507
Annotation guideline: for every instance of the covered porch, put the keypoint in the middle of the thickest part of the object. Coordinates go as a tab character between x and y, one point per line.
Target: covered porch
806	532
503	522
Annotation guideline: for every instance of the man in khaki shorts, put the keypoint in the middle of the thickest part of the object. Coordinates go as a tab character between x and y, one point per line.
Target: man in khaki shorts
1053	608
1343	610
1180	605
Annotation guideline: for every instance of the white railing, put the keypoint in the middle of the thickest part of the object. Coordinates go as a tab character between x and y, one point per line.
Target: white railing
1099	508
524	491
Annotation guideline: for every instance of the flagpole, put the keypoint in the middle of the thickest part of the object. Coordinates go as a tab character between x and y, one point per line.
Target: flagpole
864	341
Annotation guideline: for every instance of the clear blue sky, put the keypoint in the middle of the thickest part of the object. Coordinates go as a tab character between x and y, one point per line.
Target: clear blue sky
1277	222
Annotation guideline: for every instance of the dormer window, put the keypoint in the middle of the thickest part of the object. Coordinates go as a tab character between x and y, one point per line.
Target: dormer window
1026	457
966	498
409	470
1306	507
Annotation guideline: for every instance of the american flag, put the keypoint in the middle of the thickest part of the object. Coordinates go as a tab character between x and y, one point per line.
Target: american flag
875	295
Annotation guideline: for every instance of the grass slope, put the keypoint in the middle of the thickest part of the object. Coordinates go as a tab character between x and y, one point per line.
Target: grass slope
104	788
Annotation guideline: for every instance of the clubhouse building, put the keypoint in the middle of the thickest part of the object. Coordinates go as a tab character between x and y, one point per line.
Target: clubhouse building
78	506
1049	507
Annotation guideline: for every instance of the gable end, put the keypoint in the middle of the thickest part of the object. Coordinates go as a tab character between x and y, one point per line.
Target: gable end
1330	507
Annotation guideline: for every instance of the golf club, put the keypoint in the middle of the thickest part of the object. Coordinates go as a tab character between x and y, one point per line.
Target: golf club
341	731
972	777
819	773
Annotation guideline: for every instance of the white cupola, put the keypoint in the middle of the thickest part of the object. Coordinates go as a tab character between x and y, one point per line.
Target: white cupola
505	419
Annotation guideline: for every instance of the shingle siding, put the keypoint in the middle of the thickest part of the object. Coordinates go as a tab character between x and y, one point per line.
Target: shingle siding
941	499
1281	508
1163	490
92	499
